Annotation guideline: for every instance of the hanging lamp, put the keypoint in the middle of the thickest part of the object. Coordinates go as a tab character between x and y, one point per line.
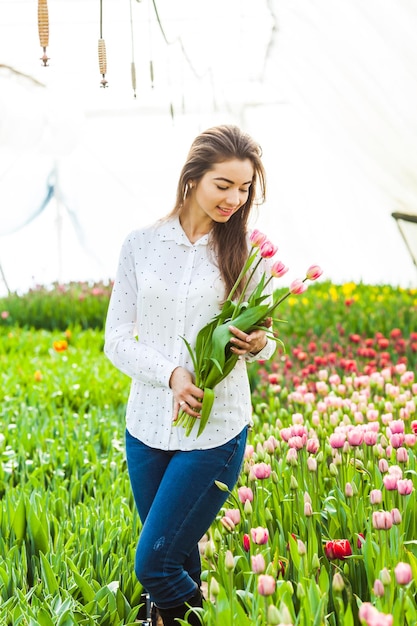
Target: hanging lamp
102	59
132	63
43	28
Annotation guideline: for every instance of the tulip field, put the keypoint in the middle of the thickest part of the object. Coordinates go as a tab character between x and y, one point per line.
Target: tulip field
321	528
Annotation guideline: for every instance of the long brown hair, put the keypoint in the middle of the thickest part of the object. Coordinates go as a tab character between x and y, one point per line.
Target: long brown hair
216	145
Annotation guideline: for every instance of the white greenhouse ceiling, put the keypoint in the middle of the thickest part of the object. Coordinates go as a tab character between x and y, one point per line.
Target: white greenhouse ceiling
329	89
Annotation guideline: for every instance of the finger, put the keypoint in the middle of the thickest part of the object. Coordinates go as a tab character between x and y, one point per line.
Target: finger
192	406
187	408
239	334
195	405
239	343
240	351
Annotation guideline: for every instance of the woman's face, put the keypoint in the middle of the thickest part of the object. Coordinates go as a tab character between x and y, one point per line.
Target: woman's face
223	190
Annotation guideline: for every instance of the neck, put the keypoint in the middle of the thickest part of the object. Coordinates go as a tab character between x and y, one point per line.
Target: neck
193	227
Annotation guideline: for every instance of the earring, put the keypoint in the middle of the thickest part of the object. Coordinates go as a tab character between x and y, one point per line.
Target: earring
188	186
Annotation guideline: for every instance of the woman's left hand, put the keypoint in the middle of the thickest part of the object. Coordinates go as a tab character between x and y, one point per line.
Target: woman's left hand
245	343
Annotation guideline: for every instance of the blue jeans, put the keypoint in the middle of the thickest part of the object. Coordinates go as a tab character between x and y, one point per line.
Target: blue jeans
177	501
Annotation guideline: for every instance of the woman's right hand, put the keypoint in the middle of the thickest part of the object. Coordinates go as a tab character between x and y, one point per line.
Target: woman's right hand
187	396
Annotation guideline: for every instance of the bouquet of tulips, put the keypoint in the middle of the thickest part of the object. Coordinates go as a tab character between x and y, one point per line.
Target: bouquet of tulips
212	358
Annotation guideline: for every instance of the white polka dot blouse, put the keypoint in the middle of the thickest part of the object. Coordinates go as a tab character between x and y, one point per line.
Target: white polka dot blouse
167	288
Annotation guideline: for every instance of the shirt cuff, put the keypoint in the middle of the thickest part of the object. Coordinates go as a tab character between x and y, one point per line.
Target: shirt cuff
264	354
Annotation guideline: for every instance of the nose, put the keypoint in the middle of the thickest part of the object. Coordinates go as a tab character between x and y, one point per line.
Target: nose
233	198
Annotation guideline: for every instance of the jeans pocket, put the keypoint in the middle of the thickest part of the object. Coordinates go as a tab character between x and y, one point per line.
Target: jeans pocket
237	447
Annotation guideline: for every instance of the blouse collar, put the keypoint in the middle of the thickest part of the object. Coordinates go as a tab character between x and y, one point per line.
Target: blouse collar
171	230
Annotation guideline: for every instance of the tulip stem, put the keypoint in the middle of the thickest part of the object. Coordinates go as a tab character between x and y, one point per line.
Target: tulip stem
231	596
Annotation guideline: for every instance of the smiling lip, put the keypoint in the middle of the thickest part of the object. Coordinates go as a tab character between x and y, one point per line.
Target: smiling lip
225	211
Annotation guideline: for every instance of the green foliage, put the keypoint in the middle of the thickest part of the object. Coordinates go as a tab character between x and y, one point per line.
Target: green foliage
68	526
58	307
324	307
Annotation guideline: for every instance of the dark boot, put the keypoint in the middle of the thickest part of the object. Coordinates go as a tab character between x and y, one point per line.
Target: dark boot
144	613
148	613
169	615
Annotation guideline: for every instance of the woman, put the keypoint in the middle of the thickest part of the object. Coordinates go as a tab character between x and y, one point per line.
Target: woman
172	279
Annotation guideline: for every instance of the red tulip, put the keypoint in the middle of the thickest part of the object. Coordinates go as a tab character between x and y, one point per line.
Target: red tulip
246	542
337	549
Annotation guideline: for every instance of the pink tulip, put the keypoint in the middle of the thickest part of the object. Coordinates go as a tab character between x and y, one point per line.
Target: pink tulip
296	442
372	414
370	437
285	433
396	516
407	378
403	573
379	590
313	445
229	560
348	490
266	585
322	387
234	515
297	287
397	440
257	238
390	482
395	470
402	455
249	451
308	509
383	466
314	272
245	493
337	440
301	547
258	563
299	430
396	426
278	269
369	615
270	444
292	457
385	577
405	486
382	520
268	249
259	535
227	523
375	496
261	470
410	439
355	436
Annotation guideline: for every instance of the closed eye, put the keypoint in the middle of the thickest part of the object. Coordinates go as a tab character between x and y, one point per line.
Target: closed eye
225	188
